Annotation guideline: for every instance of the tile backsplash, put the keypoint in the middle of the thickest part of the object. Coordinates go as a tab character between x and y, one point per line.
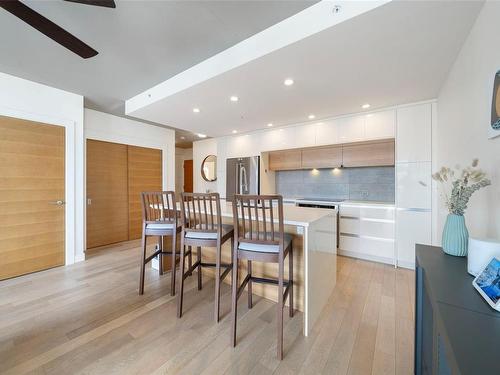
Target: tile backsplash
369	183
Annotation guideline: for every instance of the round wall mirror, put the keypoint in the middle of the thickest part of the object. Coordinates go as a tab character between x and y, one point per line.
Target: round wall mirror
209	168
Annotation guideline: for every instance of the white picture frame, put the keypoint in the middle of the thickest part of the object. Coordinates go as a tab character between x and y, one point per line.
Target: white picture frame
487	283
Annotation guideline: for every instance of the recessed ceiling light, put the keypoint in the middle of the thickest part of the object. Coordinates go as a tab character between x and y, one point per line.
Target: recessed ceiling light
196	110
270	124
311	117
234	98
183	137
201	135
365	106
235	131
288	82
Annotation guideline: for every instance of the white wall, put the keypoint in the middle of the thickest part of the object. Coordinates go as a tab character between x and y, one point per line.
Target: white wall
464	117
32	101
201	149
105	127
181	154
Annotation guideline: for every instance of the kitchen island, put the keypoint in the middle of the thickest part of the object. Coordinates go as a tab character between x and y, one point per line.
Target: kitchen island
314	234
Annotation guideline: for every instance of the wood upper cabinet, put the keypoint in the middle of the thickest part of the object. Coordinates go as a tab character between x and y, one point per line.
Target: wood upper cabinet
285	160
324	157
368	154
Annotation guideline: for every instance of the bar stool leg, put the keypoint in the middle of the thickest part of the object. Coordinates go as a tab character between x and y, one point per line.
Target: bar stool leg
290	280
198	254
217	281
160	255
143	264
234	297
190	261
280	308
180	294
249	289
173	267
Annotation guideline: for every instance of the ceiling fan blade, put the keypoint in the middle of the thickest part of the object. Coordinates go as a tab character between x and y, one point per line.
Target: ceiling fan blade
98	3
47	27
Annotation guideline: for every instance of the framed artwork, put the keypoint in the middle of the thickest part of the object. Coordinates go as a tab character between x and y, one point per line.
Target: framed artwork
495	107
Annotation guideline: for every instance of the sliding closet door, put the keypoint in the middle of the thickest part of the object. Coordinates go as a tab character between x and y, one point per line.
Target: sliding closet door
32	187
107	193
144	174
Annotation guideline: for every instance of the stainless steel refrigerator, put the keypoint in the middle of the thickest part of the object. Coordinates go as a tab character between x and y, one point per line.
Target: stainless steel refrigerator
242	176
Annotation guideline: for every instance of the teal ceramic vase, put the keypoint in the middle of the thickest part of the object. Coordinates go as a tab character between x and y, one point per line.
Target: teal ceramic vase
455	236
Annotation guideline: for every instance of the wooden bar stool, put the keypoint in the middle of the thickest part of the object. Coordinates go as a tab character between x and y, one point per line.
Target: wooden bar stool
258	238
160	218
202	227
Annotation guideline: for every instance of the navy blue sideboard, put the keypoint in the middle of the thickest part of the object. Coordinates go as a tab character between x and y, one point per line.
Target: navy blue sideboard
456	331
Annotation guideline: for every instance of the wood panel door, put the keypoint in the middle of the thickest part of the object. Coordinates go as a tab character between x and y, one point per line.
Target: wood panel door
369	154
144	174
188	176
285	160
107	193
32	180
325	157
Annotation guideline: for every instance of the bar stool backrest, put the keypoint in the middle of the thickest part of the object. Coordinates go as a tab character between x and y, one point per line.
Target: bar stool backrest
259	220
158	206
201	212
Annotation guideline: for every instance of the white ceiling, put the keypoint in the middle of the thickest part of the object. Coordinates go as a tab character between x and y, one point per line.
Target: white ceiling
140	43
398	53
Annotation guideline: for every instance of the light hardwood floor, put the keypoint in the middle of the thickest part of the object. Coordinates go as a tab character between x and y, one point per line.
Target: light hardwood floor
89	319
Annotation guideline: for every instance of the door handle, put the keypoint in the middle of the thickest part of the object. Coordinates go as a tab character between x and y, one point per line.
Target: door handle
58	203
89	201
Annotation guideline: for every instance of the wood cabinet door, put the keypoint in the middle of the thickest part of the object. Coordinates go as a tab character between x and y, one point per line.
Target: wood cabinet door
285	160
369	154
325	157
107	193
32	181
188	176
144	174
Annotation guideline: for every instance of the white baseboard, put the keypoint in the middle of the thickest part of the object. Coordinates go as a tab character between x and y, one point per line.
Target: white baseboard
406	264
373	258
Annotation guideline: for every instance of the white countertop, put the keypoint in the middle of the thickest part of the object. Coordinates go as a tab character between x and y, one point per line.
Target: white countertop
298	216
349	202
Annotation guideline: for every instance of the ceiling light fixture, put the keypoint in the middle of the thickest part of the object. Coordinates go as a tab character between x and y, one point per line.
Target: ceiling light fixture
365	106
288	82
311	117
234	98
201	135
196	110
183	137
270	125
235	131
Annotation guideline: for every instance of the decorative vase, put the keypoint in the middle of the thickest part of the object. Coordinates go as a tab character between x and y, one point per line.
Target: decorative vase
455	236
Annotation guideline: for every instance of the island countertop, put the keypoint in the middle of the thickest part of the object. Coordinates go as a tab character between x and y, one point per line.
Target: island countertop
292	215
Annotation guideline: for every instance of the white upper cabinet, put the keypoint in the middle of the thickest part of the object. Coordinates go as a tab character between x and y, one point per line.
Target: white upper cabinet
305	135
414	133
243	145
380	125
351	129
276	139
326	133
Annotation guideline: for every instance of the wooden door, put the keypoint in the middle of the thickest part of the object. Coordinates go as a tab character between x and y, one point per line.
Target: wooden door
285	160
188	176
32	180
368	154
144	174
107	193
324	157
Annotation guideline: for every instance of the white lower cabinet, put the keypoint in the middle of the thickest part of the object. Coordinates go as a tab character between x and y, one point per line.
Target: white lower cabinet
413	226
367	231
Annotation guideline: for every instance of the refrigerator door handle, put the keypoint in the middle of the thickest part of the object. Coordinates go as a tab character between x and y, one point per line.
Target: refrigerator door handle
243	180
